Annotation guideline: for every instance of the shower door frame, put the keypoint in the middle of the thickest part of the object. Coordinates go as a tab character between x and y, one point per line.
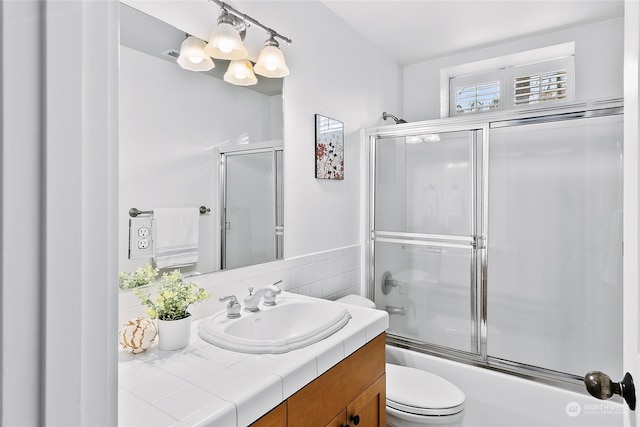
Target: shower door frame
278	194
473	241
484	122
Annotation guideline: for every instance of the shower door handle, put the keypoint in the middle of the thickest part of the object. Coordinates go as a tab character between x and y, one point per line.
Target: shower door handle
600	386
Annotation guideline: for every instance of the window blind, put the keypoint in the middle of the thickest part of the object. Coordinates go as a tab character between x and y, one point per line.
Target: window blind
540	87
479	97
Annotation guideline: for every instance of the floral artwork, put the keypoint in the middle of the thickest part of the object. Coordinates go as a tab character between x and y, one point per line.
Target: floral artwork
329	148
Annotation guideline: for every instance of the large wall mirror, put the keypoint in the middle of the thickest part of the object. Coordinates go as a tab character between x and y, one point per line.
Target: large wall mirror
190	139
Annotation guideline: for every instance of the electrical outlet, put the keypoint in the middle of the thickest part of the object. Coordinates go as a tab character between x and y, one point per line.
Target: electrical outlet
140	238
143	232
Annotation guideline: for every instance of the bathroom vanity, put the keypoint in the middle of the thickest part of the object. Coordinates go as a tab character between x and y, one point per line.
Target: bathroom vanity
330	382
352	392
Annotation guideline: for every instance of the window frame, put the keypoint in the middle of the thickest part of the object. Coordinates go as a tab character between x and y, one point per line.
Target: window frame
506	76
567	64
476	80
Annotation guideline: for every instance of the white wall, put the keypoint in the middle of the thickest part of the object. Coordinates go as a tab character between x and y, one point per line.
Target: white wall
171	123
598	64
59	199
334	72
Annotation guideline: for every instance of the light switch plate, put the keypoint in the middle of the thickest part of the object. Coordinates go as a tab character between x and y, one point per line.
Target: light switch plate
140	238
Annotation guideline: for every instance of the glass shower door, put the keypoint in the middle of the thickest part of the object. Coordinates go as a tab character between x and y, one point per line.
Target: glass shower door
555	245
424	233
252	216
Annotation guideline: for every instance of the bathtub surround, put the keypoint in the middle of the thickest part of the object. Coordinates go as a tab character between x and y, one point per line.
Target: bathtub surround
329	274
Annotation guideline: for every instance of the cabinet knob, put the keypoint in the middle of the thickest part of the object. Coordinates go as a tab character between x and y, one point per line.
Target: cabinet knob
355	419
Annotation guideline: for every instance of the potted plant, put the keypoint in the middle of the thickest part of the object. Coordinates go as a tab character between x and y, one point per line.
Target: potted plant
141	277
175	295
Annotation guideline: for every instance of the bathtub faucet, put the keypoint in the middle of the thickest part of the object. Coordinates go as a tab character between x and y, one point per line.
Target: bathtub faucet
395	310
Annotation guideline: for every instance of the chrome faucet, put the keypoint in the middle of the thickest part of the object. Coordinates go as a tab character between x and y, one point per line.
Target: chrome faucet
233	308
270	295
269	292
395	310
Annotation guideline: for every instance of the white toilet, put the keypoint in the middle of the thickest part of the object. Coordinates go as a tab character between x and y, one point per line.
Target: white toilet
415	397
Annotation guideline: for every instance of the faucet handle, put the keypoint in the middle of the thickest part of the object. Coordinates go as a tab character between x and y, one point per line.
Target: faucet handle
250	290
233	308
270	294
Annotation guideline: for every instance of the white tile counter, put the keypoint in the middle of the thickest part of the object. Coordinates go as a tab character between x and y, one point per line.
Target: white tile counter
205	385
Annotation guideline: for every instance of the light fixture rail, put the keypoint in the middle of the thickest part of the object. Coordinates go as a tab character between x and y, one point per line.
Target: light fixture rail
250	20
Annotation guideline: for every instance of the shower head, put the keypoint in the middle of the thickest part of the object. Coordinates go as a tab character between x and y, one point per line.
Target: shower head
386	115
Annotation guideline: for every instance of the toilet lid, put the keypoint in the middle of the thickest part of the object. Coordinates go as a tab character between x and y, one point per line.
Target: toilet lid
419	392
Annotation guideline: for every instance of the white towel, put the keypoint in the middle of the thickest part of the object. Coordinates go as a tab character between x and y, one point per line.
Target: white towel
176	236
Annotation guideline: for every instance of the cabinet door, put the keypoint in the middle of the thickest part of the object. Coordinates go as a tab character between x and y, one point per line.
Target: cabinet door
369	409
319	402
276	418
339	420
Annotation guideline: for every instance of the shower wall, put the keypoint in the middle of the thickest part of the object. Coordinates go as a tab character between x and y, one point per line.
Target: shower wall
502	242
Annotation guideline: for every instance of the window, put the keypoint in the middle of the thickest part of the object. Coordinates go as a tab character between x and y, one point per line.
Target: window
512	87
540	87
478	97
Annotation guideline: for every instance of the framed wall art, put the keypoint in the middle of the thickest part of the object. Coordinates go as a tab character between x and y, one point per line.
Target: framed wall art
329	148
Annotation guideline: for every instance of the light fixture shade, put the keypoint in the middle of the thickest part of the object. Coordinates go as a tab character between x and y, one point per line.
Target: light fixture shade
225	43
271	63
192	56
240	73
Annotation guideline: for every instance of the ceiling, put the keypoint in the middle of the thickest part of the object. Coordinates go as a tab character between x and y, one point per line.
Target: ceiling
420	30
417	30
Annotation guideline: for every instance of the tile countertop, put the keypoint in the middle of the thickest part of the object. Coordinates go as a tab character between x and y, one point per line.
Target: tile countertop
203	385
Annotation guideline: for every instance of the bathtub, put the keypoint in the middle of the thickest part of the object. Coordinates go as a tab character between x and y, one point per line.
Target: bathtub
495	399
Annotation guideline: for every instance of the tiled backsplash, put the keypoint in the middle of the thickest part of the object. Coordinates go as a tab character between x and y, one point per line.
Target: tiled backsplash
330	275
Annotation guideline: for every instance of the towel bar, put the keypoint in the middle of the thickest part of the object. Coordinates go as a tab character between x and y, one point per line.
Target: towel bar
134	212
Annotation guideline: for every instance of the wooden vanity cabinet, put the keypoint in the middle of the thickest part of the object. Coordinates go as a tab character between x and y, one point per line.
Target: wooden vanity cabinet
277	417
352	393
368	410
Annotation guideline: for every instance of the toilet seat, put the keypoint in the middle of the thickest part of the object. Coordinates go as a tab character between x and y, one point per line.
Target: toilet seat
421	393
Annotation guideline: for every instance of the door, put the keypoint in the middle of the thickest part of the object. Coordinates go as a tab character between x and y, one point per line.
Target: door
426	218
554	243
252	217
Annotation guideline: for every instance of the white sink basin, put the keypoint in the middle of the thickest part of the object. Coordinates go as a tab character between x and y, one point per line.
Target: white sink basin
294	322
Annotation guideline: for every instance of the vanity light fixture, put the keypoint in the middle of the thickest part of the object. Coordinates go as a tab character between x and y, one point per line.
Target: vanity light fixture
271	60
225	41
240	73
192	56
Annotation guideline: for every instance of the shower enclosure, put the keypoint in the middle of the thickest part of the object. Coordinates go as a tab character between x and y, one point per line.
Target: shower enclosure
497	239
252	227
